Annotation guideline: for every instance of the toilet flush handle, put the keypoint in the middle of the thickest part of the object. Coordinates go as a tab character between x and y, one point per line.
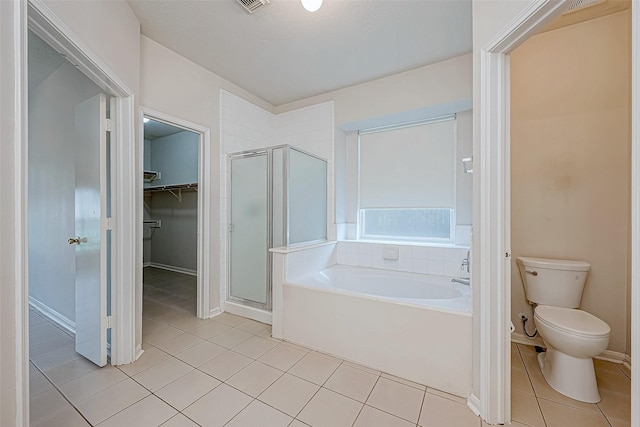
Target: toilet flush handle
531	272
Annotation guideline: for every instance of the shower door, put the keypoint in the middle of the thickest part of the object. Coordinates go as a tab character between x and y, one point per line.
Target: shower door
250	268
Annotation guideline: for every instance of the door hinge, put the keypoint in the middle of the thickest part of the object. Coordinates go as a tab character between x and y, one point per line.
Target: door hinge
108	125
507	254
108	220
108	322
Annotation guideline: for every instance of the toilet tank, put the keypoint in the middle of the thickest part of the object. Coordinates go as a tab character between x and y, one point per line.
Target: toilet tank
554	282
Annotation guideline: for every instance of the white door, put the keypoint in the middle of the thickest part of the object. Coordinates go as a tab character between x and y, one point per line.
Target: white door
90	226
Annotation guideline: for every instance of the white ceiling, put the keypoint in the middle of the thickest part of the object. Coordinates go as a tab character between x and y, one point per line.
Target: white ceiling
283	53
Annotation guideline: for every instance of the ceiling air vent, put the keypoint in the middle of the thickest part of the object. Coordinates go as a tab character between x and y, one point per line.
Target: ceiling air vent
252	5
581	4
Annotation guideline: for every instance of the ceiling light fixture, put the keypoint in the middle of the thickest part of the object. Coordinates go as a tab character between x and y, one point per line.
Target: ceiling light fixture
311	5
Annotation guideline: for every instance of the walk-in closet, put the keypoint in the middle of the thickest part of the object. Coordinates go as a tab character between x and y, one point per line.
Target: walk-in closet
170	249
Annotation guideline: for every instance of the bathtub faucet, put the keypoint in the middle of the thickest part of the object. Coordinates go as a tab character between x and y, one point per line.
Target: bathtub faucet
460	280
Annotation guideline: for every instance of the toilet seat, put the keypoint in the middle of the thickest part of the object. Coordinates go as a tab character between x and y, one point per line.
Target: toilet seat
572	321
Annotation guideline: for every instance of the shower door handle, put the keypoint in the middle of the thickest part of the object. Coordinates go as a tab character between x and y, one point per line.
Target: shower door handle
531	272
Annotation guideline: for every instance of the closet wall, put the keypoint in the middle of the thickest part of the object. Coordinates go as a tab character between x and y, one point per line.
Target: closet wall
174	243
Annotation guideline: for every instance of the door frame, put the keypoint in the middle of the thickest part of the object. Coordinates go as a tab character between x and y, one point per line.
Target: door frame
492	244
204	200
43	22
16	17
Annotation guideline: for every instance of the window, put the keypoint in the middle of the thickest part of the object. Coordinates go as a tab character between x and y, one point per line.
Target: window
407	182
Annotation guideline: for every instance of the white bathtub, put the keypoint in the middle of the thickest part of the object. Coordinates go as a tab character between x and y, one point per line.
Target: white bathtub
414	326
410	288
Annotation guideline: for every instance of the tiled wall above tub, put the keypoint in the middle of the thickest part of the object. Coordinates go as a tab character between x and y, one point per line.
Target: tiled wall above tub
441	261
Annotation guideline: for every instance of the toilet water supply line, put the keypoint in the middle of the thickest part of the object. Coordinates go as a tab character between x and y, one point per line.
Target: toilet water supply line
524	318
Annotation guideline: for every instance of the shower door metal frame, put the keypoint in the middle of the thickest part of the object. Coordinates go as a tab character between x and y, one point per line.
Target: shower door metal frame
268	151
269	219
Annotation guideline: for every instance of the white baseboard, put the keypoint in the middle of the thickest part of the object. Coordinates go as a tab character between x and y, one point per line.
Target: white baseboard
146	264
519	338
215	312
173	268
607	355
248	312
473	403
627	362
54	316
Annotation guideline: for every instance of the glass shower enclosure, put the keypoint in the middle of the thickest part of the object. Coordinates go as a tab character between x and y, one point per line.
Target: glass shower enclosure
278	197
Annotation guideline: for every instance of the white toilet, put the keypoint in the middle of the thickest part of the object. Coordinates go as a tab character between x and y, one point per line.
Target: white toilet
573	337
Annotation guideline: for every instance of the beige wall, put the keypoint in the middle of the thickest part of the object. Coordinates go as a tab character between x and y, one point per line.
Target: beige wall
570	161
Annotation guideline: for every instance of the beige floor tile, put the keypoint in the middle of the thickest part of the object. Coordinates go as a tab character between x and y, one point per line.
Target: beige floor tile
201	353
179	343
189	323
50	344
613	381
187	389
449	396
516	361
297	423
226	365
162	374
520	381
556	415
149	412
70	371
398	399
230	338
103	405
180	421
150	325
254	379
403	381
92	383
230	319
66	417
266	333
326	356
259	414
531	363
46	406
362	368
210	330
438	411
282	357
330	409
525	409
151	357
372	417
218	407
625	370
615	405
38	383
255	347
619	423
252	327
57	358
544	391
314	368
603	365
160	334
351	382
289	394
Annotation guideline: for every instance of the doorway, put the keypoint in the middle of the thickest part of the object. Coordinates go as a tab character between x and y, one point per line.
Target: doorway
175	238
170	224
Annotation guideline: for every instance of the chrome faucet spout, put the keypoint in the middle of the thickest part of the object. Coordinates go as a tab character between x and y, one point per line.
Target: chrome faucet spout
460	280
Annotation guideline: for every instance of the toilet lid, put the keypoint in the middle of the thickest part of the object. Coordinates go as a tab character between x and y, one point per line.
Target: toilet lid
573	321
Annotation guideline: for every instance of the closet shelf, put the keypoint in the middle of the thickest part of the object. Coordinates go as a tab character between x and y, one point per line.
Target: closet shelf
175	190
150	176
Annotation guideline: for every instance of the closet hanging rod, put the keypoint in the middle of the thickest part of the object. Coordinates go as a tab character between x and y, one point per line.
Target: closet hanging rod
154	223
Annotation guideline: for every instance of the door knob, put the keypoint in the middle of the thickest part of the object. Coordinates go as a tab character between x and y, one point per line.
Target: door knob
76	240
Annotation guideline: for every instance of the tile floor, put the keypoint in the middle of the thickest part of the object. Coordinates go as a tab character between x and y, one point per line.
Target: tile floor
228	371
535	403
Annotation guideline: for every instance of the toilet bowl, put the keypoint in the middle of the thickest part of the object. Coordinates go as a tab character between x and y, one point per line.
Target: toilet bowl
573	337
